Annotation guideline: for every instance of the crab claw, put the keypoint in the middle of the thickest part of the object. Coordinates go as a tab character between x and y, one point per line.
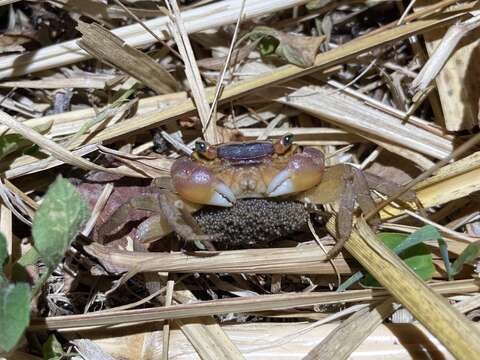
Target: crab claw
303	171
196	183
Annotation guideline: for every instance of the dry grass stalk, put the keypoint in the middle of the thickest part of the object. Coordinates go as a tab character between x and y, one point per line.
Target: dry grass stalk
22	196
224	306
90	350
166	325
454	187
6	230
197	19
105	46
28	165
423	176
284	73
179	33
97	209
305	259
208	339
83	82
305	134
212	116
363	120
447	324
402	115
70	122
55	149
471	303
6	2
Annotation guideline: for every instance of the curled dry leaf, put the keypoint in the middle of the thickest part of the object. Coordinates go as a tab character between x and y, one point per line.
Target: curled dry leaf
295	49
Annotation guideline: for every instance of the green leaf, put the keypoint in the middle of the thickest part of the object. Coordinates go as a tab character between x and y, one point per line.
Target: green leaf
417	257
14	314
10	143
359	275
442	245
3	258
468	256
58	221
52	349
19	272
425	233
403	242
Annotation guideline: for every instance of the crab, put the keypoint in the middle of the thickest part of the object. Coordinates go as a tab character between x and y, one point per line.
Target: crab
251	191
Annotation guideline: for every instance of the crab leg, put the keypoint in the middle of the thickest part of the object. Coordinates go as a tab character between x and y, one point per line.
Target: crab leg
388	187
121	215
168	217
356	189
176	220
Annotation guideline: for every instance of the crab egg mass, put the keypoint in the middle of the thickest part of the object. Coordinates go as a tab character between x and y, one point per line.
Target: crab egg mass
252	221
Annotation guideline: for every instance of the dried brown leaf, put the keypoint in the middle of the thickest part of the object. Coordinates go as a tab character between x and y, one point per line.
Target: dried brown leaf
109	48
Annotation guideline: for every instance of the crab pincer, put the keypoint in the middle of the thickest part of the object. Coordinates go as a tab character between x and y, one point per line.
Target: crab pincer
304	170
198	184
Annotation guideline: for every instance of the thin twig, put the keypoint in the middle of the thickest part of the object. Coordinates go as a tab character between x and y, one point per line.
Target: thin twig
220	86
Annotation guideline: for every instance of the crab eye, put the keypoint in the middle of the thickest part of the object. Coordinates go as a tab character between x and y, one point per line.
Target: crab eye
204	150
284	144
287	140
201	146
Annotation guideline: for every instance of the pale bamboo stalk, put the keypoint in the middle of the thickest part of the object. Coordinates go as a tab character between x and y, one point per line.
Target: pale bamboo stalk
206	335
223	306
356	328
275	340
196	19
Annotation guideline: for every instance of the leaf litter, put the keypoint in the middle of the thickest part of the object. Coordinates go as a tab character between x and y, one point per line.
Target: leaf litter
332	73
